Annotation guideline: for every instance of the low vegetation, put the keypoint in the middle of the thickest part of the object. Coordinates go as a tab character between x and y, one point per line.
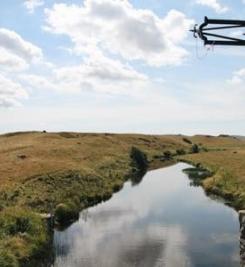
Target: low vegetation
197	175
61	173
65	213
24	237
227	163
139	160
195	149
180	152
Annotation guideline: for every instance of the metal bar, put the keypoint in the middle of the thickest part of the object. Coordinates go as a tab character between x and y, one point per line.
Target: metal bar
224	21
222	28
223	37
233	43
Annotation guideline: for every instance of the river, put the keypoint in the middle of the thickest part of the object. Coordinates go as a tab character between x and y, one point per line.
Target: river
161	222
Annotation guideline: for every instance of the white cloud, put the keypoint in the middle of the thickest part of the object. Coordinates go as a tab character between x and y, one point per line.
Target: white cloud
238	77
37	81
214	4
118	28
16	55
98	73
11	62
31	5
15	44
10	92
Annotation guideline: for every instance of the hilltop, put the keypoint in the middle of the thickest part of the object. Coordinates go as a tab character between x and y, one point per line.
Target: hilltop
32	161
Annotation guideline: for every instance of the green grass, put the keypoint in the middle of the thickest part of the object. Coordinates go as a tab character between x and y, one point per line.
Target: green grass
24	237
62	173
228	167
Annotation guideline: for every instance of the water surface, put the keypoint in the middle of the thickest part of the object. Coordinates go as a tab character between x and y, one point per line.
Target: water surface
162	221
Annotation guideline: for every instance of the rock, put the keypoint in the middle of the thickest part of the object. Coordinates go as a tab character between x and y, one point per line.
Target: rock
22	156
49	218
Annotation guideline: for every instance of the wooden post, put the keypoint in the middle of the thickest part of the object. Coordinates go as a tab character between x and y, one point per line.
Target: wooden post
242	236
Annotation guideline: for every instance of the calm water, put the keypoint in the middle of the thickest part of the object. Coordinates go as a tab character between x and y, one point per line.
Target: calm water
162	221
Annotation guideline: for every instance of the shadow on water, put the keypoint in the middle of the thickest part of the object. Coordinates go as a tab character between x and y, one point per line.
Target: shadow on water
137	177
197	175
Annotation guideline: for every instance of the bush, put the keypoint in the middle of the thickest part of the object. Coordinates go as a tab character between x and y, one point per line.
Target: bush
23	234
65	213
167	155
20	225
195	149
139	159
187	141
7	259
180	152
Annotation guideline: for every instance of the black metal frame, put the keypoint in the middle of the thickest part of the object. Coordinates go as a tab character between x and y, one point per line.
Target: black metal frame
203	32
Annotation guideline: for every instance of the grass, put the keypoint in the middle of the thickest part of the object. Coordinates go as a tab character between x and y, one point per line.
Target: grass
62	173
23	235
227	162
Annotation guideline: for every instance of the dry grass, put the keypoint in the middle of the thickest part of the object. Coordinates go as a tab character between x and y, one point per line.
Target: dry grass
40	170
47	152
26	156
227	160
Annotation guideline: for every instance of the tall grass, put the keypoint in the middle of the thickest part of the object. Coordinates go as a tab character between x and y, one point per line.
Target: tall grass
23	235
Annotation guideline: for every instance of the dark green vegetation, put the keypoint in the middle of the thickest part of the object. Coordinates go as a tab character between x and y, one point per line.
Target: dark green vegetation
62	173
66	213
138	160
139	164
195	149
197	175
24	237
225	159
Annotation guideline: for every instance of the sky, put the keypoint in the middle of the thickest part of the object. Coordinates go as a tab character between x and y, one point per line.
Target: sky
118	66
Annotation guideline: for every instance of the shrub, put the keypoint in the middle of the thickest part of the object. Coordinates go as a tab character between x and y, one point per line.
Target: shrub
139	159
65	213
14	221
180	152
187	141
167	155
20	225
195	149
197	175
23	234
224	135
7	259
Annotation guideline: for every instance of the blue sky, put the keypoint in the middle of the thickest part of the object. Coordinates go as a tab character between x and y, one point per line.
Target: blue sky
118	66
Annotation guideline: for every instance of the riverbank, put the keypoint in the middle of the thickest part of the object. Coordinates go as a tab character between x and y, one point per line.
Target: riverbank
61	173
144	225
44	172
228	179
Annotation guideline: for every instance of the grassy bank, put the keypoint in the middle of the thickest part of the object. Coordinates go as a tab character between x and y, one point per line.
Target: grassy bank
24	237
227	163
62	173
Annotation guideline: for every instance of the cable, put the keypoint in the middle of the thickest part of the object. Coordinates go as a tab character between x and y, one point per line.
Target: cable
201	57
